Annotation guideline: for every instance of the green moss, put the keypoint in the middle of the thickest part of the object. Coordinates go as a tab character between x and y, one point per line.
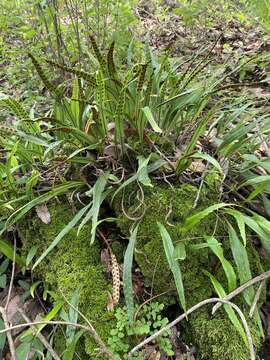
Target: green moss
170	207
216	338
212	336
72	265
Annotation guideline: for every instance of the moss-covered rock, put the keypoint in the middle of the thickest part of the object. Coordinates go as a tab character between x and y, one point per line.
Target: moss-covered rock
72	265
216	338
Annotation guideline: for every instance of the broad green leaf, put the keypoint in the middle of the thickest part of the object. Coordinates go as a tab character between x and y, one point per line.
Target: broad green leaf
194	219
229	310
216	247
173	264
148	113
127	274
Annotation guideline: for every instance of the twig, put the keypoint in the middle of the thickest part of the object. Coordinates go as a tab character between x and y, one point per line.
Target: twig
42	338
256	299
4	310
12	275
243	287
188	312
9	336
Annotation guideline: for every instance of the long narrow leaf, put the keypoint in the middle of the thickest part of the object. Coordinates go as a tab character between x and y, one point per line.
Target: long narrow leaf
173	264
127	274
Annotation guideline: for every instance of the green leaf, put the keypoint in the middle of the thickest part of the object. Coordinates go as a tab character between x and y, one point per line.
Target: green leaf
143	172
3	281
179	252
127	274
71	347
209	159
194	219
229	310
173	264
240	223
148	113
60	236
74	104
262	232
57	190
216	247
32	252
22	350
241	259
8	251
51	314
98	190
257	180
2	336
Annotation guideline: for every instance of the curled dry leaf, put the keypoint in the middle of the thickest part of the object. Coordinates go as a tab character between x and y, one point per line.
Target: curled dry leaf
43	213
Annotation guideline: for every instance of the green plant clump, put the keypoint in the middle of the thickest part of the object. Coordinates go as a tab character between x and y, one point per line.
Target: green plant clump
73	265
149	321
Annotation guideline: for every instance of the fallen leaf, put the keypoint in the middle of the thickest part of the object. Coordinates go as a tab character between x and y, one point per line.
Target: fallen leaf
43	213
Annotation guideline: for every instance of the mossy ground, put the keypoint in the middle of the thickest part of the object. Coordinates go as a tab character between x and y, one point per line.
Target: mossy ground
215	337
72	265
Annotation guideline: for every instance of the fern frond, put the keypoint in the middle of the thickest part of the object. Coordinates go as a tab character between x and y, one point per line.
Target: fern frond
97	52
7	131
110	61
15	107
43	76
79	73
141	77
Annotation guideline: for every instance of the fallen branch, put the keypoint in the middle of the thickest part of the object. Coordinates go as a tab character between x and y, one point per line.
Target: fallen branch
4	310
51	322
188	312
243	287
42	338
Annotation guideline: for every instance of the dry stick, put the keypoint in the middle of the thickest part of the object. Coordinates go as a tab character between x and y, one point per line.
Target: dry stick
188	312
42	338
3	310
95	335
256	299
243	287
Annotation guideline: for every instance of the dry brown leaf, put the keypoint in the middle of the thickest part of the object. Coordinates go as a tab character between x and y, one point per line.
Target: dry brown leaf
197	166
43	213
110	303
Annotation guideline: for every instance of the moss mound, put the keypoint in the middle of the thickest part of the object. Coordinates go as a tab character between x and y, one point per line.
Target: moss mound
73	265
216	338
